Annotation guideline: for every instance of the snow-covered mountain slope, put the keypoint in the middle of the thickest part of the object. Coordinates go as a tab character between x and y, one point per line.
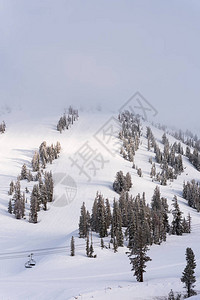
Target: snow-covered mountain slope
57	275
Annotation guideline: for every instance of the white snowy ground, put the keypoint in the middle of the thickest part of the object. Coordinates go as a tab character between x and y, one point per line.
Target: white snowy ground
60	276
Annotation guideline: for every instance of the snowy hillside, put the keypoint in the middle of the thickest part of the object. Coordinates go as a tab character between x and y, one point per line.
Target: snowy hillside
57	275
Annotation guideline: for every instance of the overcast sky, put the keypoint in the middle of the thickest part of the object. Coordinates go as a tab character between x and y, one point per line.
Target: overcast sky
101	52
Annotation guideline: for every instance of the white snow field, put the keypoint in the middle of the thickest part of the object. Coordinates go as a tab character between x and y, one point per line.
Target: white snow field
57	275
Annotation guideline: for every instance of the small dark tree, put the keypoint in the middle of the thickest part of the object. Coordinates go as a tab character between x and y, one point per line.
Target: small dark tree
102	243
72	247
24	172
177	227
188	277
171	296
91	250
115	245
12	188
87	246
10	207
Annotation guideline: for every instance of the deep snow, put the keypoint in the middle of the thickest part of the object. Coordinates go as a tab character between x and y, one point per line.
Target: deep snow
59	276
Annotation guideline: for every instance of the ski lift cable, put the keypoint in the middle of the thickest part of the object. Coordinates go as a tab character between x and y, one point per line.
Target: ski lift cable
39	252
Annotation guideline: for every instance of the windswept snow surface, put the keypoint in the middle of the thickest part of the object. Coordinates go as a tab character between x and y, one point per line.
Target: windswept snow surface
58	275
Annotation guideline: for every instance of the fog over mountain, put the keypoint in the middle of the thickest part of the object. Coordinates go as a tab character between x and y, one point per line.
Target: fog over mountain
99	53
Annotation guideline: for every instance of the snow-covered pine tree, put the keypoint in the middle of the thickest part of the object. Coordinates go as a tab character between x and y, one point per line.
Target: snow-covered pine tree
116	227
10	209
156	200
83	228
101	217
33	216
87	245
24	172
18	202
108	214
43	196
94	221
171	296
48	180
12	188
176	226
36	162
138	255
128	181
188	277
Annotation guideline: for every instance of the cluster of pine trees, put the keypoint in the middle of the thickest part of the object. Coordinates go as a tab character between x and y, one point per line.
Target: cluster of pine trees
40	195
67	119
129	134
191	140
2	127
46	154
191	192
133	220
41	192
170	163
187	138
122	182
194	157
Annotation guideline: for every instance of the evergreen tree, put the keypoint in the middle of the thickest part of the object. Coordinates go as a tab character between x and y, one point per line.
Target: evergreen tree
72	247
94	220
18	202
171	296
108	214
10	207
83	228
138	257
115	245
12	188
120	183
116	228
156	200
36	162
188	277
101	217
102	243
44	196
49	185
139	172
91	249
176	227
128	181
189	221
87	246
34	205
24	172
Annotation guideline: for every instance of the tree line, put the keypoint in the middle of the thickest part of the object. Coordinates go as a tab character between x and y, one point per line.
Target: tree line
67	119
170	159
133	222
42	192
191	192
40	195
129	134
